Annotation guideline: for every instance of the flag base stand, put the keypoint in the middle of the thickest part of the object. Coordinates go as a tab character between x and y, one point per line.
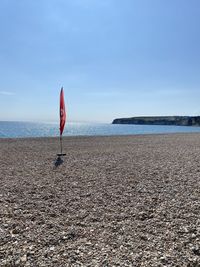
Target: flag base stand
61	154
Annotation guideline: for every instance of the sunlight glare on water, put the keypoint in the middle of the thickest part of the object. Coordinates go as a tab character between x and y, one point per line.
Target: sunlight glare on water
28	129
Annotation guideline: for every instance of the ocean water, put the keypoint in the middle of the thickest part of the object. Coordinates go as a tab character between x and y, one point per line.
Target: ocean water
28	129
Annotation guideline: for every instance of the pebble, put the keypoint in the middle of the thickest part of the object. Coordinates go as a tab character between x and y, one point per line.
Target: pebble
101	178
23	258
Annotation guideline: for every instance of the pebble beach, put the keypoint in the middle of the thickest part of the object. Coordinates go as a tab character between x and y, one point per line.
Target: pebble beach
111	201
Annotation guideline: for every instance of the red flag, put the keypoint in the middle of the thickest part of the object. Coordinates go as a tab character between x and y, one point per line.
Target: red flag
62	111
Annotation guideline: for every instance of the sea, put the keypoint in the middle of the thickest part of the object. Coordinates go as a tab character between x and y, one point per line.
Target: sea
30	129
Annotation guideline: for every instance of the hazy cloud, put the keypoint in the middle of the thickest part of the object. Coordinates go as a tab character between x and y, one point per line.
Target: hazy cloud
6	93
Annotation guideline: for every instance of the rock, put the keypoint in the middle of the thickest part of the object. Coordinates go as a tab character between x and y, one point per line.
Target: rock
17	262
23	258
52	248
196	250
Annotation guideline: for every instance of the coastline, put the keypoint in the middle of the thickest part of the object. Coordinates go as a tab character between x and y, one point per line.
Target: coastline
129	200
99	136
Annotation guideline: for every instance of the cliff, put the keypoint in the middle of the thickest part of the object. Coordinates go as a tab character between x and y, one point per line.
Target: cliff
162	120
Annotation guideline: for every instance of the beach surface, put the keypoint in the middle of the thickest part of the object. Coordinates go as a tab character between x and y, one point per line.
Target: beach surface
113	201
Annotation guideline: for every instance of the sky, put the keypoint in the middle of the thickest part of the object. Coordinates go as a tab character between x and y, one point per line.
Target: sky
114	59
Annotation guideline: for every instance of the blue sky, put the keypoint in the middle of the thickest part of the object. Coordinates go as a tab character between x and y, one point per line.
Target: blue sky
114	58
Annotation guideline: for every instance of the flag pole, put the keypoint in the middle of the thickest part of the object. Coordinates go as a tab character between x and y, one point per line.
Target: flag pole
61	143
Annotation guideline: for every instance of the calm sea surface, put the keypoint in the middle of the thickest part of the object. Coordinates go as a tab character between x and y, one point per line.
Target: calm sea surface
27	129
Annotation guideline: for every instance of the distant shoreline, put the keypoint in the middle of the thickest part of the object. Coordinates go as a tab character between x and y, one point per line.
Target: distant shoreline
161	120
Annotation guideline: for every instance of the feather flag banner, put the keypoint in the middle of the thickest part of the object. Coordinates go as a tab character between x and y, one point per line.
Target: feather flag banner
62	119
62	111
